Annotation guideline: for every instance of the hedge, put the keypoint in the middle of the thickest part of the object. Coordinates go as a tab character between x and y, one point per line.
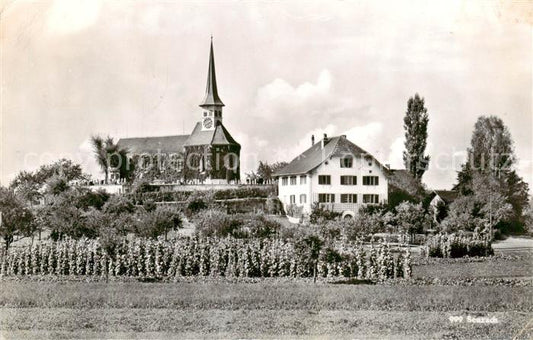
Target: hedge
225	194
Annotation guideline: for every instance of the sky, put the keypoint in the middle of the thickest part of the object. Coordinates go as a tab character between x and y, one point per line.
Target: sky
285	70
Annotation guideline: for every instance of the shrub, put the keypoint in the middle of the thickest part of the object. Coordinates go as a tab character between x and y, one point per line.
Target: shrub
454	246
158	222
214	222
273	205
319	214
198	201
149	205
294	210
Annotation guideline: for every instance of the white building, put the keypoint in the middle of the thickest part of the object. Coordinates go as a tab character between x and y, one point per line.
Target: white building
336	173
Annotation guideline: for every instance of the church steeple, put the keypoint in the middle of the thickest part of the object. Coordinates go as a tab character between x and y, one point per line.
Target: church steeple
211	93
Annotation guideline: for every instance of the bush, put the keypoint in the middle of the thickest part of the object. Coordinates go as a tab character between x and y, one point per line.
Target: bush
454	246
158	222
198	201
214	222
294	210
273	205
320	215
149	205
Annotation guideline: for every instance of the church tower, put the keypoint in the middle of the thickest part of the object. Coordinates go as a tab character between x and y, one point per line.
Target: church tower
211	105
211	154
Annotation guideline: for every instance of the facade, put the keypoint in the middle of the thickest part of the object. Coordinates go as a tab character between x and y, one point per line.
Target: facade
208	155
441	200
337	174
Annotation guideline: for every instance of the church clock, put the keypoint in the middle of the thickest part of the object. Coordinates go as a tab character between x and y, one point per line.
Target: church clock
208	123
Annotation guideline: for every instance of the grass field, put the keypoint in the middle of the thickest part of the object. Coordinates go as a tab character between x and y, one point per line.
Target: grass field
276	308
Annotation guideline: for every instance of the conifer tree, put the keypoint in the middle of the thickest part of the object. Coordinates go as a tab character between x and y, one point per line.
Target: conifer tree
415	125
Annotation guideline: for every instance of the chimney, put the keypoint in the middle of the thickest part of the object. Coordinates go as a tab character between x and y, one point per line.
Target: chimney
324	141
312	140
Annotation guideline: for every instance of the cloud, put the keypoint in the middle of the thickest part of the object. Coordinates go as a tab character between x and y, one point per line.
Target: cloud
70	16
395	158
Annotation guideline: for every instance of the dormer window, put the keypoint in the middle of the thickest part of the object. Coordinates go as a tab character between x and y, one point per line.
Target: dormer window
347	162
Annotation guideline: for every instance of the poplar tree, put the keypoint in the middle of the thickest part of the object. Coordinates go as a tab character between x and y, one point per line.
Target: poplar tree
415	125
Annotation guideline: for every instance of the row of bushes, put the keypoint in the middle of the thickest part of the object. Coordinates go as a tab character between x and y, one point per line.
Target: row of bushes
226	194
202	257
454	246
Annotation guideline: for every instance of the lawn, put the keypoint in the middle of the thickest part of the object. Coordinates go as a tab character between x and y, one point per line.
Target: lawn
277	308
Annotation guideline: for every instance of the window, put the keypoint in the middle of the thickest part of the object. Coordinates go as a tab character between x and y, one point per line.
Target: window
370	180
348	180
348	198
303	198
303	179
324	179
284	181
326	198
370	198
347	162
293	180
292	199
205	114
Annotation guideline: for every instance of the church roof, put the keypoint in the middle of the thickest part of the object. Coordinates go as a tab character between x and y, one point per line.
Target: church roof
218	136
316	155
211	91
151	145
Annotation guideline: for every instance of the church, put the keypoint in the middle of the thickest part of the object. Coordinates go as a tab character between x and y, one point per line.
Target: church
209	155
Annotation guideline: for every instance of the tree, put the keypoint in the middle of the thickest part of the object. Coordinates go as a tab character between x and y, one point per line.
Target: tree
16	219
53	177
490	161
159	222
274	167
264	171
120	209
415	125
110	156
25	184
485	208
412	218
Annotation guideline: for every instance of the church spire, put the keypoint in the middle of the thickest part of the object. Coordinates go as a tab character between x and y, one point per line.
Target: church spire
211	92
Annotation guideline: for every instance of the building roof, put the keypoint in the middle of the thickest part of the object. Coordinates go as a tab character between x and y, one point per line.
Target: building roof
151	145
211	91
218	136
448	196
316	155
